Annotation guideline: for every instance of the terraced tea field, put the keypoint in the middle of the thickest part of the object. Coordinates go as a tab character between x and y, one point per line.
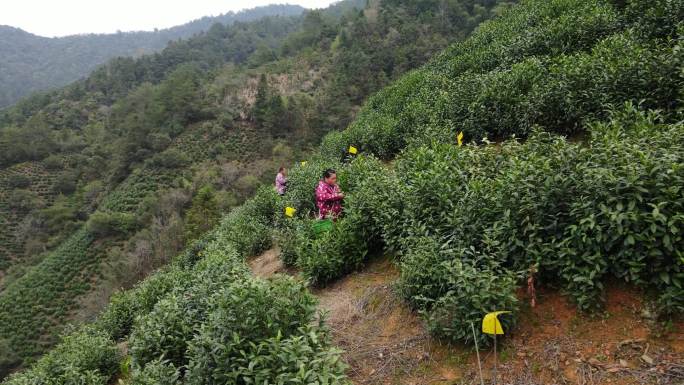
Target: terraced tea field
36	179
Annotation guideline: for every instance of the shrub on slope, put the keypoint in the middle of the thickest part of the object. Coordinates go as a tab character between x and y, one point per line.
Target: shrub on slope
87	356
204	301
551	63
579	212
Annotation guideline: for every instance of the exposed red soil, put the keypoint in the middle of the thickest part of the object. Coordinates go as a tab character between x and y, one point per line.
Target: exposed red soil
386	343
554	344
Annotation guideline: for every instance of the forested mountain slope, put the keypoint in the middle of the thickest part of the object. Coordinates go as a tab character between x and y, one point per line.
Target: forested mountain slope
30	63
108	178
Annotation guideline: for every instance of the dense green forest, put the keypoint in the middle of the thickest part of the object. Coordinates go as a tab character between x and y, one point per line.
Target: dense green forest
30	63
105	180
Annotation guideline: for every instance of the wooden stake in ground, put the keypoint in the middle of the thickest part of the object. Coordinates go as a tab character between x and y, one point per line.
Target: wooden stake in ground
477	351
495	360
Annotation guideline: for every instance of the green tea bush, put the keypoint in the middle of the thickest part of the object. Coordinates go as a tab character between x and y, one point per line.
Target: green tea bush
423	277
68	376
304	358
654	18
551	63
437	200
331	254
436	101
470	286
631	208
610	208
535	28
166	330
474	293
262	205
18	181
117	319
40	298
24	200
334	145
289	235
248	234
390	118
229	346
85	356
105	224
157	372
206	260
559	93
162	334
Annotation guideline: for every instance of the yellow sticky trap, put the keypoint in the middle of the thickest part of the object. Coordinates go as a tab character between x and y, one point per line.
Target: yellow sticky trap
353	150
303	163
491	324
459	137
290	211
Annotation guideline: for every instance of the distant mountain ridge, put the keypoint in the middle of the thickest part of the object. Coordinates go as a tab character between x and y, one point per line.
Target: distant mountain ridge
31	63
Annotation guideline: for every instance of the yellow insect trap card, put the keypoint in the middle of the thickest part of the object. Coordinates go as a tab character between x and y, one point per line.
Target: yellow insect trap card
290	212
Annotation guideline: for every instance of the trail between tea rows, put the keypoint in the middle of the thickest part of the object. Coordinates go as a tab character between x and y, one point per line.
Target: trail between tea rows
385	342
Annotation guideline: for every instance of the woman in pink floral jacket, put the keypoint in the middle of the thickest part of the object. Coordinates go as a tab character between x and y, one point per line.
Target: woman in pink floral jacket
281	181
329	196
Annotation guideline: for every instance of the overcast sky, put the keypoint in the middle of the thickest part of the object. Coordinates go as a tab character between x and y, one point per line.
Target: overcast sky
68	17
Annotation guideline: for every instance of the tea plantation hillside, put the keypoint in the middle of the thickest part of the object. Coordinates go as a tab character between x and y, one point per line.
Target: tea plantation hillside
470	220
223	325
22	187
568	174
36	304
145	155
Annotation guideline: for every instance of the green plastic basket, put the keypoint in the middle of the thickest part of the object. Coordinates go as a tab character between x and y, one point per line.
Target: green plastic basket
322	226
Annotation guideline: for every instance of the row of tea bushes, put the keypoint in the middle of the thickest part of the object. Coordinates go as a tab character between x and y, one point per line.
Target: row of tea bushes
469	223
578	213
203	320
555	64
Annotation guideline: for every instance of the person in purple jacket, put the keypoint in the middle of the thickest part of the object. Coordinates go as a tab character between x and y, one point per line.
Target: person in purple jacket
281	181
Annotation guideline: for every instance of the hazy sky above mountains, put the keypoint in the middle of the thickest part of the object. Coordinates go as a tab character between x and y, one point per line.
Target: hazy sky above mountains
68	17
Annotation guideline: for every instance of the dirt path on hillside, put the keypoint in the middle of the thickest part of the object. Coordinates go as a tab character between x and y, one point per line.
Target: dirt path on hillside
385	343
383	340
267	264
